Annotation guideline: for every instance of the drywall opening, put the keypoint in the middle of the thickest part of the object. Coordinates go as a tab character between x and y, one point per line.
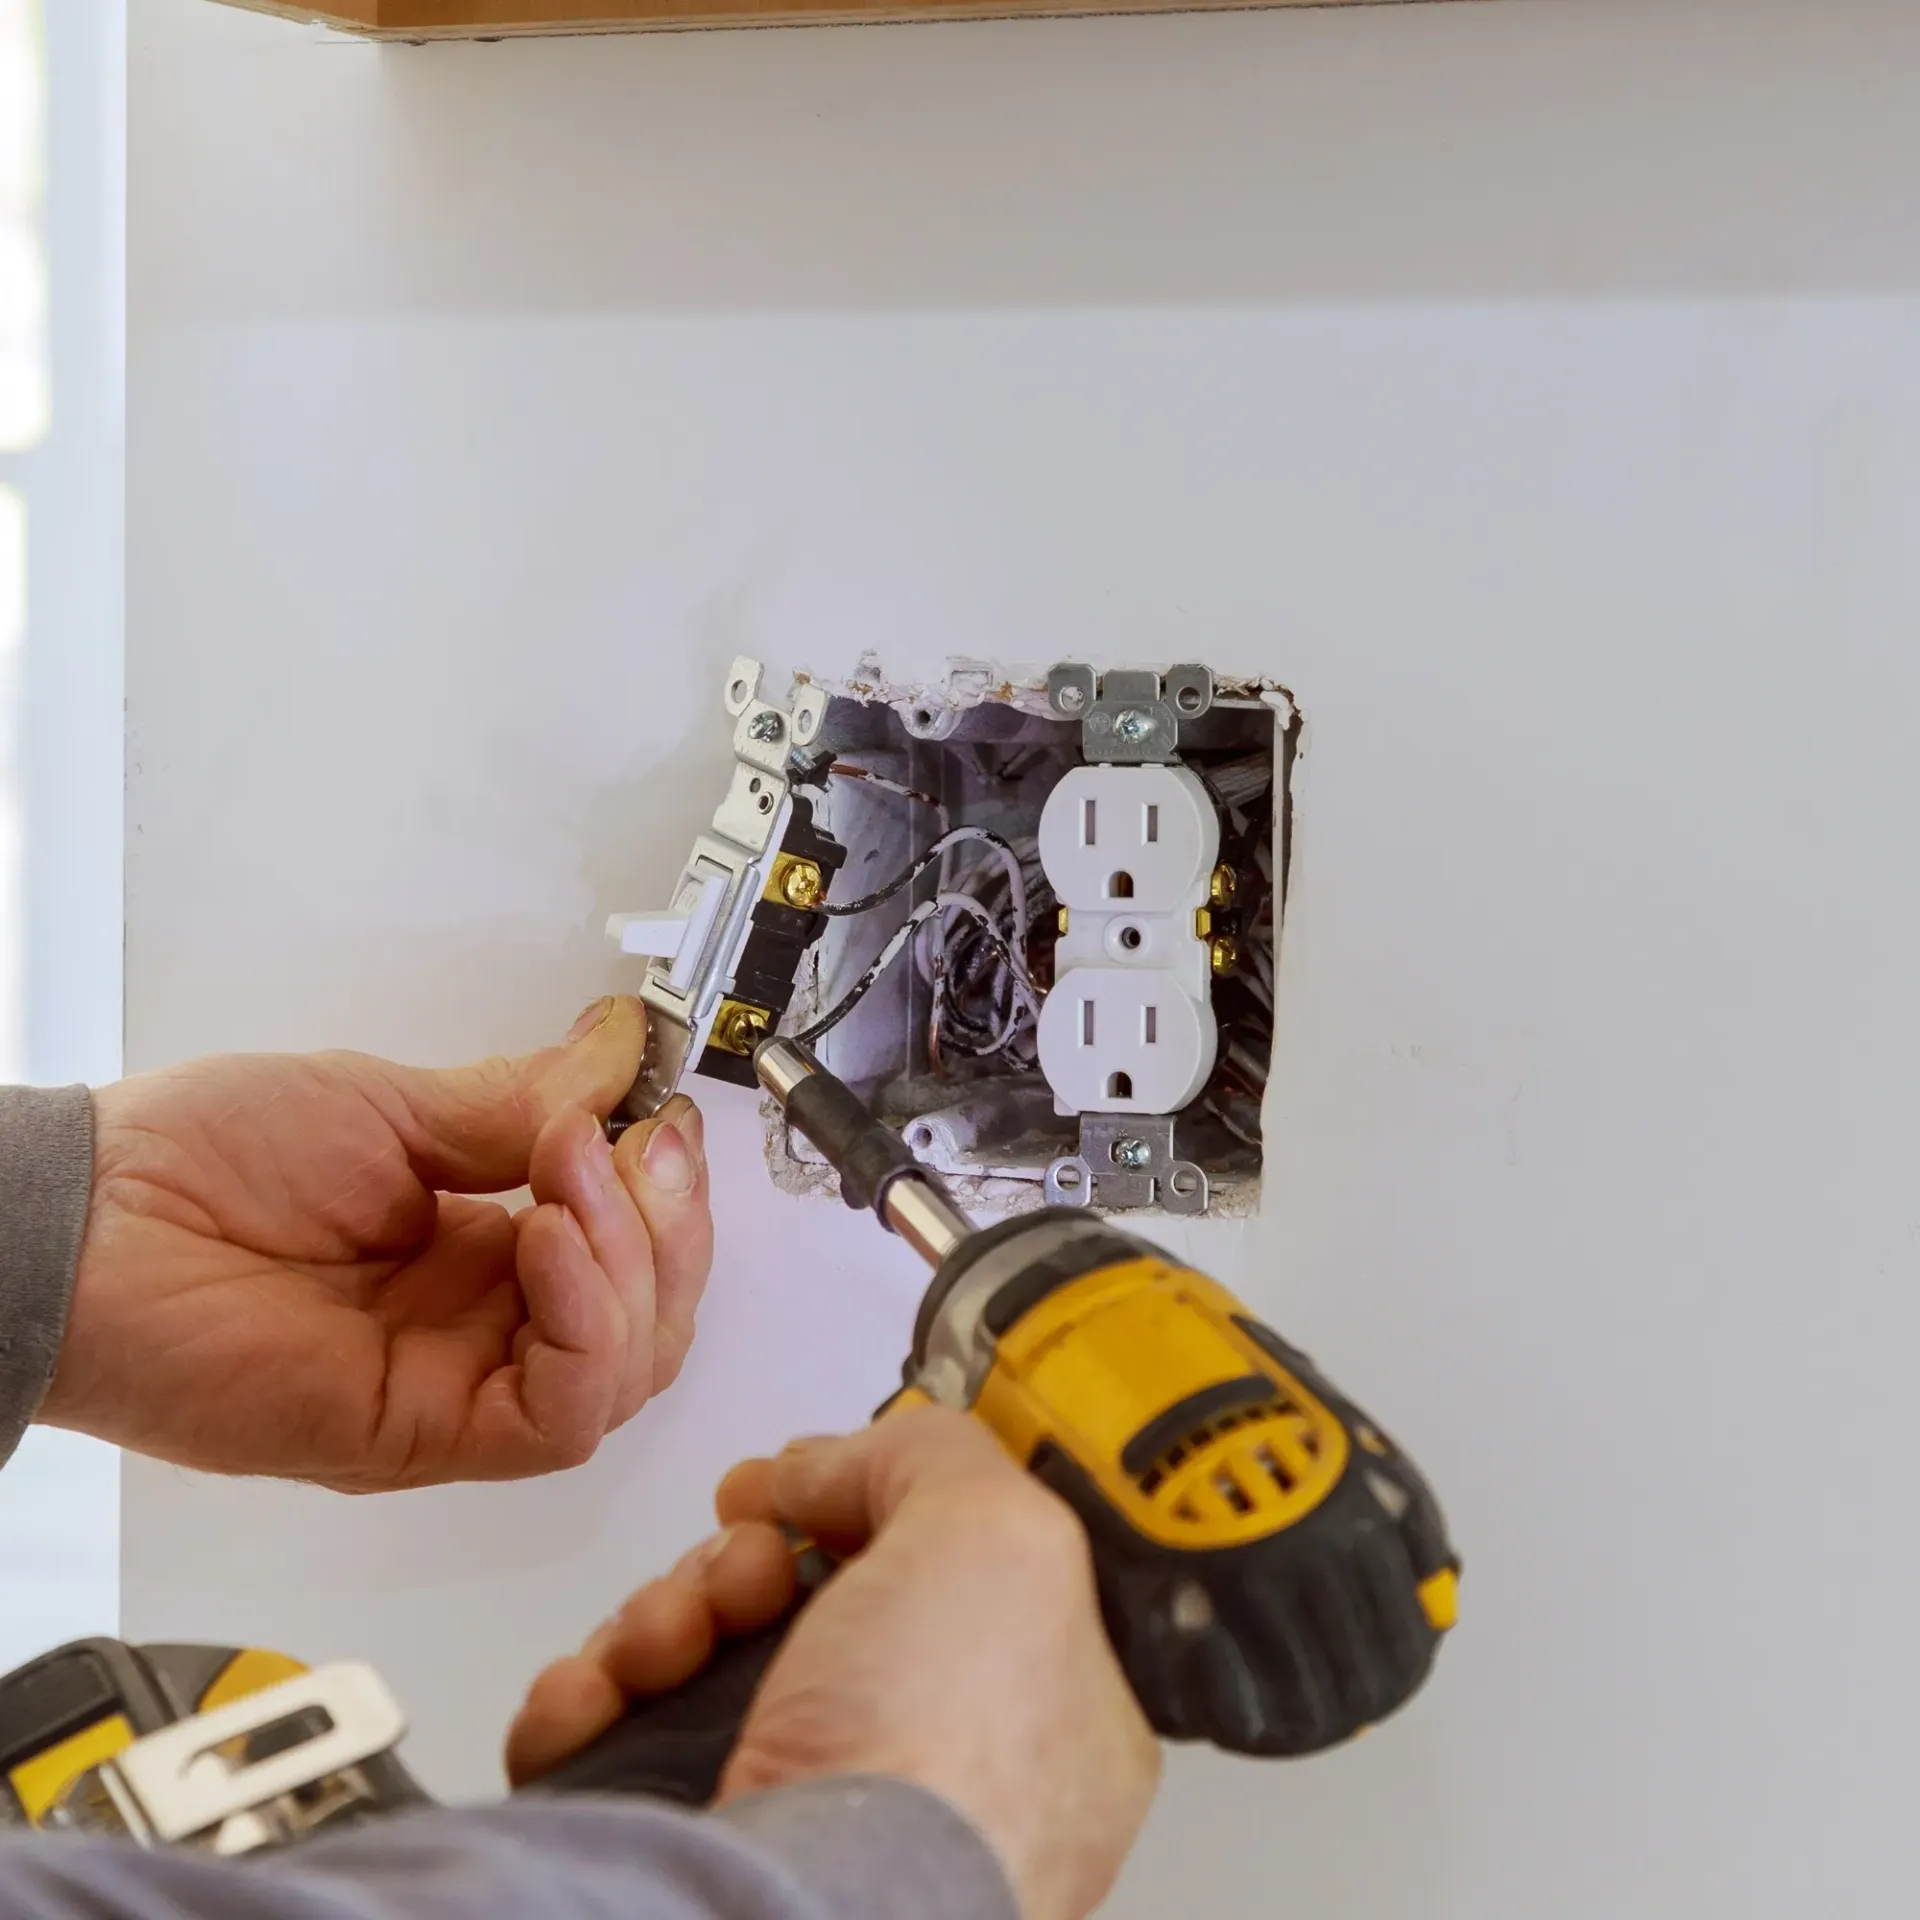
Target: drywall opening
928	1040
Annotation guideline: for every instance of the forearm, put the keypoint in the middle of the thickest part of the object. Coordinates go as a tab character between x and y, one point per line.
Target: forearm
832	1850
46	1170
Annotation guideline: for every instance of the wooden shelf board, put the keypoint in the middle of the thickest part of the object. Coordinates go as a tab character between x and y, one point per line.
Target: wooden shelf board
491	19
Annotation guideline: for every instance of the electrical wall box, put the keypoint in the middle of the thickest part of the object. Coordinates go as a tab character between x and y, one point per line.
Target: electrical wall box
1030	914
499	19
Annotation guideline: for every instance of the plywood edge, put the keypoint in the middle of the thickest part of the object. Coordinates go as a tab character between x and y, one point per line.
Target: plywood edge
417	20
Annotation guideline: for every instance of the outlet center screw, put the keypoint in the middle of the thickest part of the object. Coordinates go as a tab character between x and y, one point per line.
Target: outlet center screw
766	726
1133	726
1132	1154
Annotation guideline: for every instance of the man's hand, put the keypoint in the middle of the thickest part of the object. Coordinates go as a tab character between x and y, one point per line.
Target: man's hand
960	1648
280	1275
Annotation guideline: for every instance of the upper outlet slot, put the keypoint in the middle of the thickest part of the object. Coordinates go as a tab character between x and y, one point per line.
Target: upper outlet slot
1148	836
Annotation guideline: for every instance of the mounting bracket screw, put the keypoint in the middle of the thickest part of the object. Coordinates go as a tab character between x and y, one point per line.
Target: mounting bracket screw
766	725
1133	726
1132	1154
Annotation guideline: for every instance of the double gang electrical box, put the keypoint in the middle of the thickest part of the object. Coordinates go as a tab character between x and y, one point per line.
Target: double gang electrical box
1031	915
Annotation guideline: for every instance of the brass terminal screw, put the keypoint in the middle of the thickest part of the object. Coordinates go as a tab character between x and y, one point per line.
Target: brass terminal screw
802	885
1223	886
1226	954
740	1029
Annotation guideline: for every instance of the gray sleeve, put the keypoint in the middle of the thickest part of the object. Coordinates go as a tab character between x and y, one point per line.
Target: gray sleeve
846	1849
46	1173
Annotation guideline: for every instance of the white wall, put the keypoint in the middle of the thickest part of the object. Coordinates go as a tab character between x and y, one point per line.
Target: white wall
1532	386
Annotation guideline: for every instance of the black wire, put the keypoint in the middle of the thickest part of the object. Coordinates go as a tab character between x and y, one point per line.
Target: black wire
835	1014
897	944
958	836
974	983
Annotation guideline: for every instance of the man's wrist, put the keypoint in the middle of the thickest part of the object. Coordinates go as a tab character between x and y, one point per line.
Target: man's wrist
46	1176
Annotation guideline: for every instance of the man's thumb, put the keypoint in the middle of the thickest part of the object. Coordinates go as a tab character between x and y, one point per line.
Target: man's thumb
472	1129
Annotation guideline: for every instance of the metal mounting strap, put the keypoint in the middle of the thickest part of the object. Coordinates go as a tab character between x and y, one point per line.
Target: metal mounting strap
1127	1160
1129	716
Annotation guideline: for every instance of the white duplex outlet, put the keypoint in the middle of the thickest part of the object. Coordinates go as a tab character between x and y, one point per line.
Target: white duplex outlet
1129	1026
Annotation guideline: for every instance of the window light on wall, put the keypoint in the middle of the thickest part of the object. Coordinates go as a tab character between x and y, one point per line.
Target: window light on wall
23	277
24	406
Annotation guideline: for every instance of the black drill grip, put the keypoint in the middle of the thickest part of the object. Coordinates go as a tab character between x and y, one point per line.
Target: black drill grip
674	1746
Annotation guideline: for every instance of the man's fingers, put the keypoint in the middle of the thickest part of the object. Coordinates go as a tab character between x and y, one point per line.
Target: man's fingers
572	1702
662	1164
745	1494
472	1129
573	1167
848	1488
552	1404
659	1639
749	1579
734	1583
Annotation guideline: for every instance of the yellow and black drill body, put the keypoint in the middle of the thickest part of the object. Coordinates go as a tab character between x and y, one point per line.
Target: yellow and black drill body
1274	1572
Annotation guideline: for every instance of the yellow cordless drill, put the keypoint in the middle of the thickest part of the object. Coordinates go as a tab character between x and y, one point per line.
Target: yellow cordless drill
1274	1572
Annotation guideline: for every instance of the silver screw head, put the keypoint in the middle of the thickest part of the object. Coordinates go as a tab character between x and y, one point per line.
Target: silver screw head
1132	1154
1072	699
766	725
1133	726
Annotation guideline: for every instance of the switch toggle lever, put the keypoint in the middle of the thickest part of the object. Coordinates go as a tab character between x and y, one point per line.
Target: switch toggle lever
680	934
